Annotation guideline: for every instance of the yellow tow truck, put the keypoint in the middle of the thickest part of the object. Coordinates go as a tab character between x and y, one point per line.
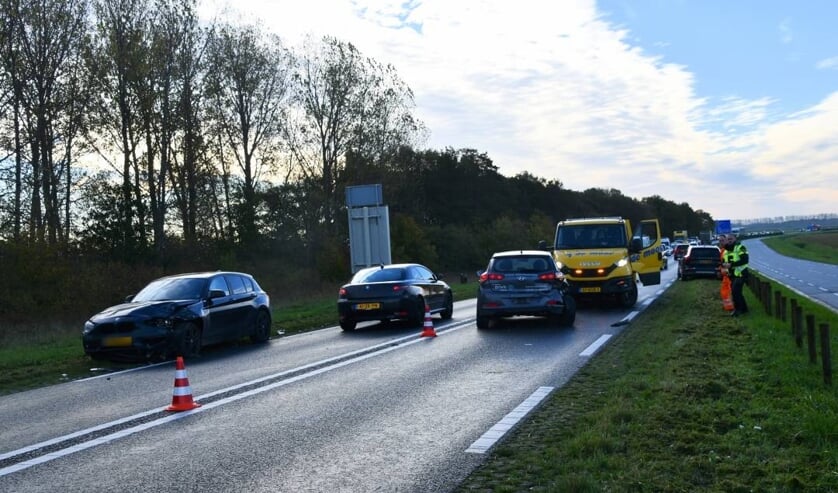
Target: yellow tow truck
604	258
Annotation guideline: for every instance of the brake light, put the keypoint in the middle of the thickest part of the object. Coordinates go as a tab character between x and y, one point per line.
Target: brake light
549	276
397	288
342	292
490	276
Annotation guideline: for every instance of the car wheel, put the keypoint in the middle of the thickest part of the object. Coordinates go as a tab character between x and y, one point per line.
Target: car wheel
190	340
482	322
629	298
262	329
347	325
568	316
448	312
417	317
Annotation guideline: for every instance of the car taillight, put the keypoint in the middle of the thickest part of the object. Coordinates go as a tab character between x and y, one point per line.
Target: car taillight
549	276
342	292
397	287
490	276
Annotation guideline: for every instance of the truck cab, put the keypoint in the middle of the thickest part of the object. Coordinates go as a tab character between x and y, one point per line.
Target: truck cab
604	258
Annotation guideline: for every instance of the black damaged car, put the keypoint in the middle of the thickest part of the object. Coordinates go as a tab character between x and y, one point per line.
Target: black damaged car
178	315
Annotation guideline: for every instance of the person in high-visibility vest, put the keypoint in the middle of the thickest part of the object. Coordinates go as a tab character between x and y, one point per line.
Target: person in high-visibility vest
736	262
725	288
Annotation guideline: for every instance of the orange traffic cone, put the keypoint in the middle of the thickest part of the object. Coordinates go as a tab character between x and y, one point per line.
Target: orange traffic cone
182	393
428	326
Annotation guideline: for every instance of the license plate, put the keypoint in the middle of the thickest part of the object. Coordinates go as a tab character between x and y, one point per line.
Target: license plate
589	290
368	306
117	342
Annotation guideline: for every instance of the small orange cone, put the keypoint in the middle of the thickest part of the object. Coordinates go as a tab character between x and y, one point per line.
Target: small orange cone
182	393
428	326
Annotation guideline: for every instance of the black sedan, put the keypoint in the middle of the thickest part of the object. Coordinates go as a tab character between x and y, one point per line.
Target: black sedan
390	292
178	315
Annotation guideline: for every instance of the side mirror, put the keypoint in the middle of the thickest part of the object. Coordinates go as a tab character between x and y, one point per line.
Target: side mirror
636	245
542	245
129	298
216	293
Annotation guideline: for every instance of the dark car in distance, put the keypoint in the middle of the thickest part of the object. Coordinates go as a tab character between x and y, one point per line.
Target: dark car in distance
393	292
678	250
178	315
700	261
523	283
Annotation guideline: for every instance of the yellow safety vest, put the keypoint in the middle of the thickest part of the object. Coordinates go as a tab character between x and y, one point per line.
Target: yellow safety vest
733	256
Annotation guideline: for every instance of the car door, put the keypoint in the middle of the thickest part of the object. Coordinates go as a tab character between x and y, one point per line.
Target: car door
243	314
434	291
220	316
647	261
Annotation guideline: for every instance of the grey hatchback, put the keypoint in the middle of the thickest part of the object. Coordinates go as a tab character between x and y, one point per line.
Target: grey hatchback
523	282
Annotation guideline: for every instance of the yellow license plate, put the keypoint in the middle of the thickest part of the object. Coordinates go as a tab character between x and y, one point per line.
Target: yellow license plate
117	342
589	290
368	306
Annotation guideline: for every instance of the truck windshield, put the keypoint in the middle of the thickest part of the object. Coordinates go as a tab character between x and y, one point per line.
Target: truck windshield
591	236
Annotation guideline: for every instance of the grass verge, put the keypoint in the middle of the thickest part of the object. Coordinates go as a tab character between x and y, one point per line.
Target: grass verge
685	399
817	246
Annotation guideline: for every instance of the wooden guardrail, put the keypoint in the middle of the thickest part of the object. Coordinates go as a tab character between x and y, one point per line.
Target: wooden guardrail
777	304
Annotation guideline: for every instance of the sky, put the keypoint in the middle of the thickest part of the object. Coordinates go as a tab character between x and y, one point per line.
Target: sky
729	106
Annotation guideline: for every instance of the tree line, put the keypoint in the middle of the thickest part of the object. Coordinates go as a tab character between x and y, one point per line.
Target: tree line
134	134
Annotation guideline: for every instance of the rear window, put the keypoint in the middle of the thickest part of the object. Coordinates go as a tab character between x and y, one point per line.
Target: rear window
704	253
523	264
380	275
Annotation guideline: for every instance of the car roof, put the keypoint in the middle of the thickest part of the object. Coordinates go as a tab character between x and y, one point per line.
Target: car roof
202	275
518	253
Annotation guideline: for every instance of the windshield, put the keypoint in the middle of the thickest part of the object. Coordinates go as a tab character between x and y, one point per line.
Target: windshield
591	236
172	289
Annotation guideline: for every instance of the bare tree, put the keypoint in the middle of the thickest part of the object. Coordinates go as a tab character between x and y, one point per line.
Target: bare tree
248	83
42	53
116	60
346	103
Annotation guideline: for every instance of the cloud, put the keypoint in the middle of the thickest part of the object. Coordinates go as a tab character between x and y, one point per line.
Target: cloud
828	64
786	35
553	89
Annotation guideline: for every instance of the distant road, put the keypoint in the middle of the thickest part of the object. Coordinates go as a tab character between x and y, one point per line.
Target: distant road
815	280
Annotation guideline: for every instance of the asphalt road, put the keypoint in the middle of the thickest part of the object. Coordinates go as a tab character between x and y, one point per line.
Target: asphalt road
815	280
378	409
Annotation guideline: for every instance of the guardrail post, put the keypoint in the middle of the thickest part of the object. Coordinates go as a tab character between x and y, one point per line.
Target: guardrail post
778	299
826	354
810	338
797	322
783	308
766	297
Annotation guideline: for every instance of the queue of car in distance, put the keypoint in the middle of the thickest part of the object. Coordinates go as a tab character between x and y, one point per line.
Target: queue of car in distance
178	315
523	283
700	261
393	292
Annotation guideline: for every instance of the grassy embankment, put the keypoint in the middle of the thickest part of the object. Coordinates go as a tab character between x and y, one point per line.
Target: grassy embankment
819	246
686	399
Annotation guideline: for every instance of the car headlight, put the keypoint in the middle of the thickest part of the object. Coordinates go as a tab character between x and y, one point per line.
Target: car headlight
163	323
622	262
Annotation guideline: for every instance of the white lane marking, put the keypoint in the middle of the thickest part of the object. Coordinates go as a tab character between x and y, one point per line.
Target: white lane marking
596	345
392	345
496	432
129	370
